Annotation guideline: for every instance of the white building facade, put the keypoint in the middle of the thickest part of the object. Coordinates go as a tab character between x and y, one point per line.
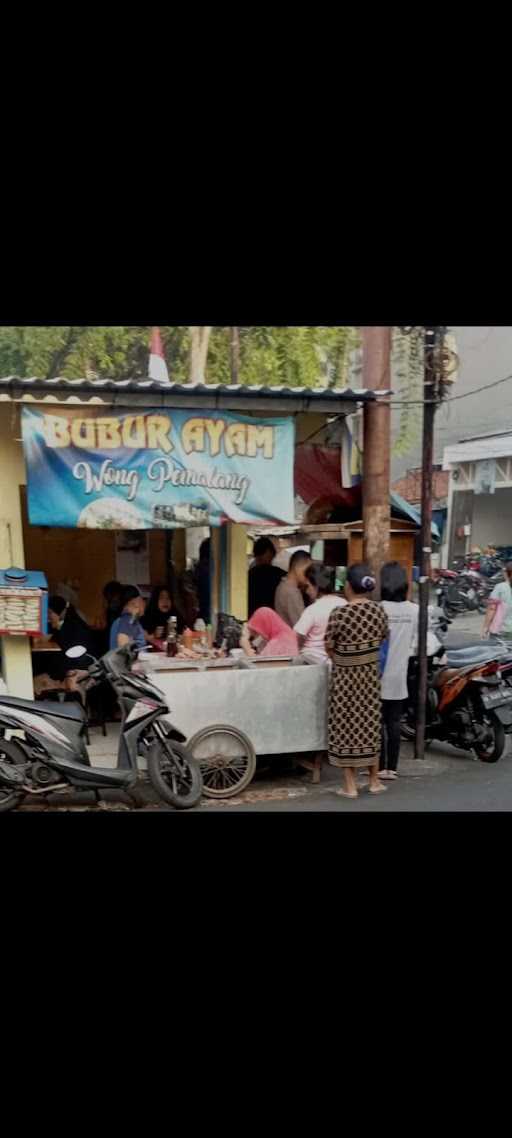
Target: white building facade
480	493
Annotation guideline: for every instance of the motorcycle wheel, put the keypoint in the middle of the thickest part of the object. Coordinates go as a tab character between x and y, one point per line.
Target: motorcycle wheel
10	799
180	783
448	611
493	751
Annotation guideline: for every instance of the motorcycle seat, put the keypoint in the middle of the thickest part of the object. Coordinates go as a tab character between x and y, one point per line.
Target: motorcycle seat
444	676
462	657
45	707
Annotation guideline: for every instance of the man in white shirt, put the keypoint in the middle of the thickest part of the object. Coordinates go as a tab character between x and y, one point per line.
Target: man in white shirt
312	625
403	623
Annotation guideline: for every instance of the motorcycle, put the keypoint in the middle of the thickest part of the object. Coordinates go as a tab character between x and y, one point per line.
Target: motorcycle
469	704
463	591
51	756
485	564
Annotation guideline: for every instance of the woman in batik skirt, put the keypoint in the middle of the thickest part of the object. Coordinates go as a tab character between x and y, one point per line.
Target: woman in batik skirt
354	635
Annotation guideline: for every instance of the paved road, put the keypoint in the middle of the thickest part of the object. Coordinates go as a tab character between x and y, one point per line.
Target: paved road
465	629
449	783
446	781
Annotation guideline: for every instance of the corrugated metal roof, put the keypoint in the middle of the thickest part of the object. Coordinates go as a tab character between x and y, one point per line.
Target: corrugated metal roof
411	512
488	435
34	384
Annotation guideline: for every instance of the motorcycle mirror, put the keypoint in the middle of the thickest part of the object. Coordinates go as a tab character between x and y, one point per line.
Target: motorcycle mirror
76	651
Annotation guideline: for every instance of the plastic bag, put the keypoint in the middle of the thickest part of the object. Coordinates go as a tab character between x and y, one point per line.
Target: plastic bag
383	655
498	618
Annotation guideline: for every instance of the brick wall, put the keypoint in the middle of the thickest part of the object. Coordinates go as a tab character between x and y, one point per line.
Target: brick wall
409	487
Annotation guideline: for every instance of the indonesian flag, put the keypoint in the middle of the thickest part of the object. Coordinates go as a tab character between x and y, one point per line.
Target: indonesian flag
157	364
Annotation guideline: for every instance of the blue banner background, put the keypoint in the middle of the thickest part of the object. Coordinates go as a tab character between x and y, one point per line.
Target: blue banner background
75	485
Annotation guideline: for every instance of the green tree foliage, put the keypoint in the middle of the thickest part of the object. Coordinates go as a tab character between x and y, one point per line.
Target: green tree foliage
72	352
287	356
407	383
302	356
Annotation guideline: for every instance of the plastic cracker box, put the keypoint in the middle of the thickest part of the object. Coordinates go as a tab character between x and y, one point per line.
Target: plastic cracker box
23	602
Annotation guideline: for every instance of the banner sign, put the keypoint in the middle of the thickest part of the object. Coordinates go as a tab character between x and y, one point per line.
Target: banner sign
156	469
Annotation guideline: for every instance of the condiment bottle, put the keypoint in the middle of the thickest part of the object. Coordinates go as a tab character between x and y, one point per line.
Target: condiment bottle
172	636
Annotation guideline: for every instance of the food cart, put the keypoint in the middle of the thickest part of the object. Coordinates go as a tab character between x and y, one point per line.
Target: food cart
228	712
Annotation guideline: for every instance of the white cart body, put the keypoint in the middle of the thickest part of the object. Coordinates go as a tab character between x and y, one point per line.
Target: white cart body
281	710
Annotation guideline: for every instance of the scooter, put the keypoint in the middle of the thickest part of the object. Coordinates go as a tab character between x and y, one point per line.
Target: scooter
461	592
469	705
51	756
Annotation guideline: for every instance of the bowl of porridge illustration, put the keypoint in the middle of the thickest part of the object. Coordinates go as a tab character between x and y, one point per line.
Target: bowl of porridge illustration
110	513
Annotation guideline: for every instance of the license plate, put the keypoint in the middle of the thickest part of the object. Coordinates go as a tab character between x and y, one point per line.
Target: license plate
471	594
497	697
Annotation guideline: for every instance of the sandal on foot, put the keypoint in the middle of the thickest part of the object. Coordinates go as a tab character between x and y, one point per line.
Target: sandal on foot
377	789
346	794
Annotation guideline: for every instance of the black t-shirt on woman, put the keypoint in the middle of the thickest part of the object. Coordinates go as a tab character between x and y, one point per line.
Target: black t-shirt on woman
263	582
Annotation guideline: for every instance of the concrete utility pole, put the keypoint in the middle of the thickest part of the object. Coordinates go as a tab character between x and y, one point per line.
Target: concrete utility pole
376	448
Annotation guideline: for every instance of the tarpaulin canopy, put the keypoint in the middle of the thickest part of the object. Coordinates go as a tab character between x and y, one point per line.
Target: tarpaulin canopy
318	476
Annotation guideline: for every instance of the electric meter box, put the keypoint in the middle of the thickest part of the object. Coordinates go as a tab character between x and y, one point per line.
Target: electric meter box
23	602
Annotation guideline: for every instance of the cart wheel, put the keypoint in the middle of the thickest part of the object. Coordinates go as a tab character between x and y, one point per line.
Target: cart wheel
227	759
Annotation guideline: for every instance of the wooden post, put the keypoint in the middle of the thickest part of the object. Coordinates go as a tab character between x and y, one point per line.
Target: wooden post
376	449
237	570
15	657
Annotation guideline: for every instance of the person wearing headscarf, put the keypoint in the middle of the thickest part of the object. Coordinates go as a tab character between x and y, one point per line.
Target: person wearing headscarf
265	634
67	627
353	638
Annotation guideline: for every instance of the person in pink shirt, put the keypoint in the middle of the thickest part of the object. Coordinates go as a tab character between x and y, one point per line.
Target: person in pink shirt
312	625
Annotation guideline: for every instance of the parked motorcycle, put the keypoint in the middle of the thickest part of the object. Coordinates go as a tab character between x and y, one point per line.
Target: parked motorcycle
461	592
469	703
52	755
486	565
